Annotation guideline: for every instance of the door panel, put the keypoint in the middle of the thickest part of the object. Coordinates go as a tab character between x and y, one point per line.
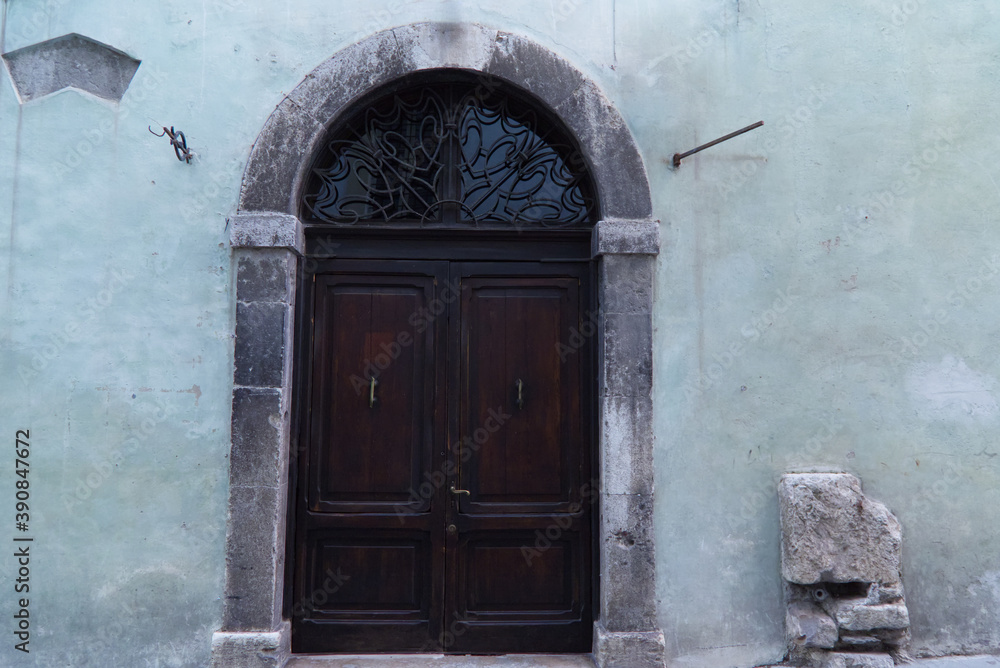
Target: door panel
466	354
511	329
519	579
366	520
368	462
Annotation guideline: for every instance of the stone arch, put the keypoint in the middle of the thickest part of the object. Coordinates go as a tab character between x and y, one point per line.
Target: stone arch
278	160
267	241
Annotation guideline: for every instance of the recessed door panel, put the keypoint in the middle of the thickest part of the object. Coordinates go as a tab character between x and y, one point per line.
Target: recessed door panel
370	433
517	373
365	521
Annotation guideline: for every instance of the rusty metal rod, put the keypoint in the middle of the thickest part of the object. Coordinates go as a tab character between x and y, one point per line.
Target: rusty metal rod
680	156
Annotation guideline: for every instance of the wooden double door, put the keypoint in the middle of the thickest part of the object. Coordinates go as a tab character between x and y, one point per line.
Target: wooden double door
444	492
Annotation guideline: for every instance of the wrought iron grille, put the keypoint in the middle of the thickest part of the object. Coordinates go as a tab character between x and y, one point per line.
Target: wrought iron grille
455	154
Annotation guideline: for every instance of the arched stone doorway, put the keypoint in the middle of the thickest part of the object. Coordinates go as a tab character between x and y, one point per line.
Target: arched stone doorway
268	241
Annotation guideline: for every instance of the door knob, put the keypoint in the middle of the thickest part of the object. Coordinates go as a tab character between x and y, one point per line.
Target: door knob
458	492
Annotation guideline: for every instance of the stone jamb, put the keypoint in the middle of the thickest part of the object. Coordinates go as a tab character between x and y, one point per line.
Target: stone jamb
266	237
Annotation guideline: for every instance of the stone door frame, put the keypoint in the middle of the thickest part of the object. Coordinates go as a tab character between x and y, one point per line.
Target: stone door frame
268	242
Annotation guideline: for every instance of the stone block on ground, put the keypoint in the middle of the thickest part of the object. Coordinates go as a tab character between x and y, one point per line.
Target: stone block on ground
869	617
857	660
808	626
831	532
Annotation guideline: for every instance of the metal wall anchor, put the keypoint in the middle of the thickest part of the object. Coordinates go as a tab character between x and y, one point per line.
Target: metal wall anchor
178	141
680	156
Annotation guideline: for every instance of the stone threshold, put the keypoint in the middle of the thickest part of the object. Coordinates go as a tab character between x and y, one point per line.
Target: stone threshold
441	661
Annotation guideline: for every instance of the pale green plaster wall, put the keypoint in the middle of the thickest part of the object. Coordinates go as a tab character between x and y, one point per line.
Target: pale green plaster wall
102	229
792	273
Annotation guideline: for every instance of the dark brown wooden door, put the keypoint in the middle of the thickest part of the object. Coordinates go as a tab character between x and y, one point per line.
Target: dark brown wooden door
444	495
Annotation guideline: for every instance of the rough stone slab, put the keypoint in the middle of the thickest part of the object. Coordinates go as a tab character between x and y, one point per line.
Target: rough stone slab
628	355
869	617
627	457
71	61
278	159
265	275
629	649
259	355
885	593
857	660
258	429
338	82
606	140
514	58
266	230
808	626
628	566
626	237
627	283
251	649
831	532
455	44
893	637
255	551
860	642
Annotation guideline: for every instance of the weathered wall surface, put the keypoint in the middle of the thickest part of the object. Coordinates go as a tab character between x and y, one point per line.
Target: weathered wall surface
825	297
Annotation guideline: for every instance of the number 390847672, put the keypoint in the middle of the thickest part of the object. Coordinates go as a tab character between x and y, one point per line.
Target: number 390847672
22	450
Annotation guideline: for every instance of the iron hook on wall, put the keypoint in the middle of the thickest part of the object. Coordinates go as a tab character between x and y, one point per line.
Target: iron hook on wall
178	141
680	156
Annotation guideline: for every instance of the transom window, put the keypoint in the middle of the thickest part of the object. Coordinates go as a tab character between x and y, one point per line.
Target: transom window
456	153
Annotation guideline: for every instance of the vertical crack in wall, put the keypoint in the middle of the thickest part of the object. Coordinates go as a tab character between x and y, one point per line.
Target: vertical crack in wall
840	559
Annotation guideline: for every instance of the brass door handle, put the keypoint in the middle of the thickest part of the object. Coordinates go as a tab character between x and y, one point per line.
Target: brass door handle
457	492
371	393
520	392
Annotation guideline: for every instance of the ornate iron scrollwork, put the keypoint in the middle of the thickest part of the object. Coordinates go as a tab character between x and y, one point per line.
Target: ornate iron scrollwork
452	155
